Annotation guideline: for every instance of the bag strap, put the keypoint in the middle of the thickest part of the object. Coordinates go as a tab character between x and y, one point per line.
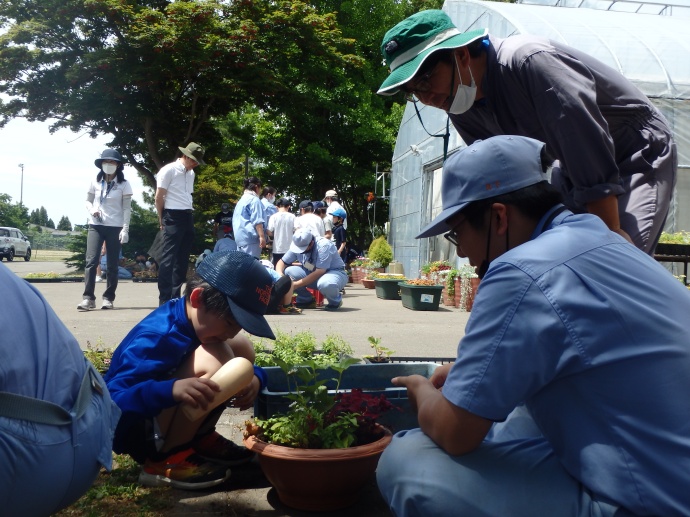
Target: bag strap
20	407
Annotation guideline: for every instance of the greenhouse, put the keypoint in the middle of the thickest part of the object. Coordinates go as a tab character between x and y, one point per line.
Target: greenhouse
645	41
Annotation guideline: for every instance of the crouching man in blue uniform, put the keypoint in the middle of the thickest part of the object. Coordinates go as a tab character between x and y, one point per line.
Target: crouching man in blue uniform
320	267
56	416
569	395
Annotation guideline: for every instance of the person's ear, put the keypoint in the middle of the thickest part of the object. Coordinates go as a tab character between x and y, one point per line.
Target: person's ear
195	298
500	215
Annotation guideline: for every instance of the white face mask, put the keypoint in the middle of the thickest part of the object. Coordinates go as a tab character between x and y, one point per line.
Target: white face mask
109	168
271	199
464	95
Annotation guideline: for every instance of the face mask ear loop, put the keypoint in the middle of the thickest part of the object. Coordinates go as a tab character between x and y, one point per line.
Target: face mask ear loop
488	237
445	136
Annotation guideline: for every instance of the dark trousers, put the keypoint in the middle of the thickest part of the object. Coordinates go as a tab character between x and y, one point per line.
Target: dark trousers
95	237
276	258
280	289
178	239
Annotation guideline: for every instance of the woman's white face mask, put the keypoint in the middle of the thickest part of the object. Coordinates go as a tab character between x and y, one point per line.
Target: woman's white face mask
464	95
109	168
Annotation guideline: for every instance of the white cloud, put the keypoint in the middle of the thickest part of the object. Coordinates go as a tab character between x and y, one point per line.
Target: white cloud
57	168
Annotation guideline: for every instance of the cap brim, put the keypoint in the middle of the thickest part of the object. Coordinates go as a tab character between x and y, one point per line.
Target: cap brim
407	71
439	224
191	156
298	249
252	322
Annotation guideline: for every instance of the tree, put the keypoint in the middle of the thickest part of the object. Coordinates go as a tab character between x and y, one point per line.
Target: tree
13	214
333	133
35	217
43	217
50	224
152	73
64	224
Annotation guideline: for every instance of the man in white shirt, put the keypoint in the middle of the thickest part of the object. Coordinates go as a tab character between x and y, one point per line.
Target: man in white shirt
309	220
175	185
281	226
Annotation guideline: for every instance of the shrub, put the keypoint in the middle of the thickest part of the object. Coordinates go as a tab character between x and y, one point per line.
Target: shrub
380	251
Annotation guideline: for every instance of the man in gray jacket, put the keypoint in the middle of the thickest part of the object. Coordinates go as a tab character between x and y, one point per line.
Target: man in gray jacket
617	156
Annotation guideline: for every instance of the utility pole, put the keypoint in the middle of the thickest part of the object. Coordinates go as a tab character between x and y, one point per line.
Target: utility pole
21	192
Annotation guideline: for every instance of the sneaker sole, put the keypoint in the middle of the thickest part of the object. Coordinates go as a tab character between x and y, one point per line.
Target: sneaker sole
85	309
227	463
156	480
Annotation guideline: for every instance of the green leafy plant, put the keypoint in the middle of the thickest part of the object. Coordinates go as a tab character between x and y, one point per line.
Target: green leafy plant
435	267
375	275
681	237
381	353
300	348
99	355
318	419
450	281
380	251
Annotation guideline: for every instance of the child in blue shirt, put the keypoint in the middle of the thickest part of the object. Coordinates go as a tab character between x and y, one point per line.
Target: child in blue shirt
339	232
167	360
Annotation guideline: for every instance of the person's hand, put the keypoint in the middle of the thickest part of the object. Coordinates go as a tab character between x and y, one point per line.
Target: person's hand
244	399
195	391
262	242
438	378
124	236
413	383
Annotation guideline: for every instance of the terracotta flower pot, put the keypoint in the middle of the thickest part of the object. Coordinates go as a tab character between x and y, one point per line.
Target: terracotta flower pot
318	480
369	283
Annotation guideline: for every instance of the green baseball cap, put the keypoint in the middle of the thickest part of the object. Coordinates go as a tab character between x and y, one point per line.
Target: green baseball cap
409	43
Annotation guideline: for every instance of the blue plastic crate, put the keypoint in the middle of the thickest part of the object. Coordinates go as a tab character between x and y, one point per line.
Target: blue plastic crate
370	378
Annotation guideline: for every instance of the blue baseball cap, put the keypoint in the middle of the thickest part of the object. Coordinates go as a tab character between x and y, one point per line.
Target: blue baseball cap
300	240
486	169
246	285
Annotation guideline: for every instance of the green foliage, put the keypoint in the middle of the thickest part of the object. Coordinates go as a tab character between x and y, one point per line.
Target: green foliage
64	224
99	355
12	214
381	353
336	347
77	245
435	267
301	348
380	251
143	226
675	238
129	68
317	419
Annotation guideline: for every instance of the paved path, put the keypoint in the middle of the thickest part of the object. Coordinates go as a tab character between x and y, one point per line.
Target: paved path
407	332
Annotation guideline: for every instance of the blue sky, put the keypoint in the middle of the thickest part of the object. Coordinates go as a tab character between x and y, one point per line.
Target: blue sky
57	168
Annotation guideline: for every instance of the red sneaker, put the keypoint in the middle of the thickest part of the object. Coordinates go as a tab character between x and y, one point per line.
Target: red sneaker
186	470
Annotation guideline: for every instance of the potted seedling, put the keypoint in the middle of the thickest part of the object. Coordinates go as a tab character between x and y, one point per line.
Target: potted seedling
324	448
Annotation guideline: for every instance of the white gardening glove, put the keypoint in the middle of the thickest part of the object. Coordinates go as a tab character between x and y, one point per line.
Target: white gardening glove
124	234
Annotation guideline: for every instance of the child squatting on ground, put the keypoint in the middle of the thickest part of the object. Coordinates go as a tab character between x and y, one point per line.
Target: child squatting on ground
162	370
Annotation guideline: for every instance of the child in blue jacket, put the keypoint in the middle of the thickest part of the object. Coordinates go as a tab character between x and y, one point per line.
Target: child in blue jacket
167	360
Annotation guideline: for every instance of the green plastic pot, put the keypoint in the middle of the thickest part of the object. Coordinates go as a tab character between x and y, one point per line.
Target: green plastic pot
420	297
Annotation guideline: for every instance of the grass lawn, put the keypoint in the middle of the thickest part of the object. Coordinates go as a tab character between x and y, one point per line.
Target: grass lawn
48	255
118	493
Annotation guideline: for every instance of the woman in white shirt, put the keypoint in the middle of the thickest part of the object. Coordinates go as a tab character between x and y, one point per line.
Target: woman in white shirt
109	203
